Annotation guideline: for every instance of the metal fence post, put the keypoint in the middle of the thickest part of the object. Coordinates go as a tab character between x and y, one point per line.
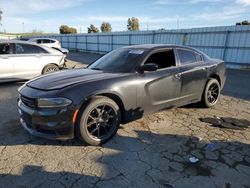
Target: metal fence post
153	37
98	50
225	45
68	41
61	40
112	42
86	43
185	39
129	39
76	42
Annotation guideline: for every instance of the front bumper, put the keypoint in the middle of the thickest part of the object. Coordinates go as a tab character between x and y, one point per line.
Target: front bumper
53	124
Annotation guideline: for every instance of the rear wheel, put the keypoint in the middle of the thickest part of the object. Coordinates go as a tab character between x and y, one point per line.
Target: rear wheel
50	68
211	93
99	121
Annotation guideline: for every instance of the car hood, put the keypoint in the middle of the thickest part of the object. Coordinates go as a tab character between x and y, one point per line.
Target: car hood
67	78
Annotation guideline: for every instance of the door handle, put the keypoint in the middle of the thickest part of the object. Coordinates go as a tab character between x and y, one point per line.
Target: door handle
177	76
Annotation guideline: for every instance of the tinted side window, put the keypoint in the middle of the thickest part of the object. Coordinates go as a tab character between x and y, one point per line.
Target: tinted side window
162	59
46	41
199	57
39	41
52	41
187	57
40	50
26	49
4	48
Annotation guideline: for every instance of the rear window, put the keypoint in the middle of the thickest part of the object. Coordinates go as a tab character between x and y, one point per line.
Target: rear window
187	56
46	41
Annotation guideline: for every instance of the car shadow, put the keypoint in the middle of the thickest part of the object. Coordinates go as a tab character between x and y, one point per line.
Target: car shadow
197	105
145	160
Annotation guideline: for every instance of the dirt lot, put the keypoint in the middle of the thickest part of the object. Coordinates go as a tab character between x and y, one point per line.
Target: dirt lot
151	152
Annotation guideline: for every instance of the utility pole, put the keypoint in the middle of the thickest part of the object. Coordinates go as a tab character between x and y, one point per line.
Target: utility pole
23	26
1	12
178	23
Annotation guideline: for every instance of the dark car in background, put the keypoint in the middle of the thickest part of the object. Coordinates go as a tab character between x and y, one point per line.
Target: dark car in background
120	87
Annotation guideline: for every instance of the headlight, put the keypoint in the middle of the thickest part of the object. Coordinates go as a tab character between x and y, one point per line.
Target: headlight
53	102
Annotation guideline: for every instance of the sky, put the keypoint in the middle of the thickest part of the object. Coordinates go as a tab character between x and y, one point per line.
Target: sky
48	15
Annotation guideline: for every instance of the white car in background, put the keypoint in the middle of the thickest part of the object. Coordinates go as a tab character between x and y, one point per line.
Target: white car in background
49	42
21	60
52	43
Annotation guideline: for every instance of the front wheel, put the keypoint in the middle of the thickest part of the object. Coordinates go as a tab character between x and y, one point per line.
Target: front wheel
99	121
211	93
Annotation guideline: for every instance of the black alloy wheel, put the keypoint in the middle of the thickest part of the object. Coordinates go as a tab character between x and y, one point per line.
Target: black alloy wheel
99	121
211	93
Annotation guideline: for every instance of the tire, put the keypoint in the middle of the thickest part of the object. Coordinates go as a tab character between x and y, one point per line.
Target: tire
98	121
211	93
50	68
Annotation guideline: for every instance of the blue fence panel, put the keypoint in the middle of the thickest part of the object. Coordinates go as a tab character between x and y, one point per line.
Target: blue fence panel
230	43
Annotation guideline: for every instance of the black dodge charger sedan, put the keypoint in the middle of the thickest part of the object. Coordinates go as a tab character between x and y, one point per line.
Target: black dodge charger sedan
120	87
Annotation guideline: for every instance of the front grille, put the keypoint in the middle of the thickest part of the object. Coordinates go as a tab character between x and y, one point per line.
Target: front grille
30	102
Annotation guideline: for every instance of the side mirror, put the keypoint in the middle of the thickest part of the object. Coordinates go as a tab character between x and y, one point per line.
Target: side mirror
148	67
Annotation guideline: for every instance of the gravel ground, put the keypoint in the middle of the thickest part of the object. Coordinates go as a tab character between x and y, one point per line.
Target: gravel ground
151	152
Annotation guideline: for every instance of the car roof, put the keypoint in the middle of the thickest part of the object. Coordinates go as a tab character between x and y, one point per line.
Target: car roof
152	47
41	38
19	41
27	42
15	41
156	46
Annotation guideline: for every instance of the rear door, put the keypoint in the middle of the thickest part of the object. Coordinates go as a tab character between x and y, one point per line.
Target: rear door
161	88
193	74
6	64
26	61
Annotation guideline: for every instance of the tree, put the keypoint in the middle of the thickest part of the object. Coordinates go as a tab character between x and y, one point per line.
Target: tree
93	29
64	29
133	24
106	27
245	22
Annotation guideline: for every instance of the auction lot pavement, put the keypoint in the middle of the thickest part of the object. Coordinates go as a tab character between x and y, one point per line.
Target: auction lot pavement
154	151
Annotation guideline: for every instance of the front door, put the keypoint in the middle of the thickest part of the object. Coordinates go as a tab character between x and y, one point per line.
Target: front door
6	65
26	61
161	88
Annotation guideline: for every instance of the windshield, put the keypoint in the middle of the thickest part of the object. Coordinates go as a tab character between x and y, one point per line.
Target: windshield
120	60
